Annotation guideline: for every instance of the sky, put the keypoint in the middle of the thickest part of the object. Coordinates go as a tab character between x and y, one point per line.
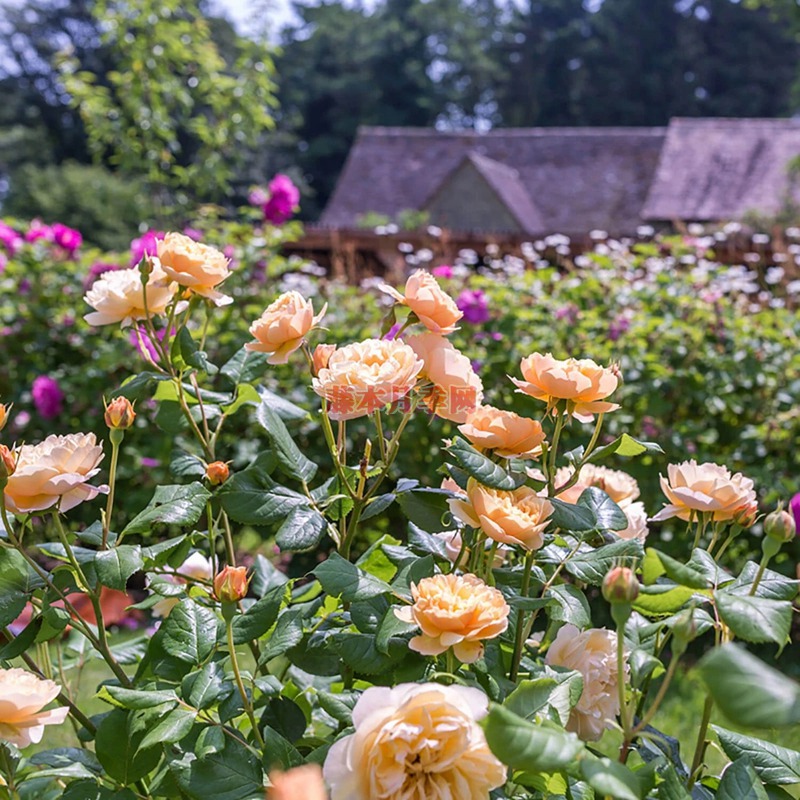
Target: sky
249	15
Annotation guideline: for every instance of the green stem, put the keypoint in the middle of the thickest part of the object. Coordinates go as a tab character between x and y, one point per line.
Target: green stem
248	707
381	440
623	705
700	746
551	470
760	574
520	636
112	484
661	694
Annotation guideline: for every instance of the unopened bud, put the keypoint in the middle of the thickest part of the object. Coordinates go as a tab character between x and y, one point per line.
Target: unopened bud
5	411
780	526
230	585
120	414
746	516
217	473
8	463
620	585
322	355
684	630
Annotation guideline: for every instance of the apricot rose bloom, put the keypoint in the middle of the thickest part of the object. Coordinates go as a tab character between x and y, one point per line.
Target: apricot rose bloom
505	432
581	382
693	488
365	376
55	471
518	517
280	330
458	611
414	742
196	266
300	783
593	653
618	485
457	390
436	310
118	297
22	698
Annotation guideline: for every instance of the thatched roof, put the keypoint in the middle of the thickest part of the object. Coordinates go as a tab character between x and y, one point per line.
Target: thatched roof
721	169
575	179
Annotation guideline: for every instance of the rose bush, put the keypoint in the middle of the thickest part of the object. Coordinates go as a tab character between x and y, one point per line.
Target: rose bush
403	666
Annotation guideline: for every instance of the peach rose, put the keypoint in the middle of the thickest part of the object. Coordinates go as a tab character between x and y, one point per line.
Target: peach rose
436	310
196	568
593	653
280	330
637	523
118	297
706	489
22	698
231	584
582	382
505	432
457	390
365	376
413	742
519	517
55	471
455	611
300	783
199	267
619	486
321	356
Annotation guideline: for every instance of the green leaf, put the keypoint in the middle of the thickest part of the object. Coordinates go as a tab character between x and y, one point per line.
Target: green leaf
259	617
232	773
290	459
340	578
611	779
426	508
140	386
772	586
189	633
16	584
571	517
117	749
683	574
609	516
627	446
266	576
749	692
339	706
773	764
284	408
171	728
244	367
206	687
302	530
591	566
288	633
525	746
186	465
116	565
482	468
185	349
740	782
171	505
257	500
755	619
572	605
138	698
279	752
559	690
662	600
359	651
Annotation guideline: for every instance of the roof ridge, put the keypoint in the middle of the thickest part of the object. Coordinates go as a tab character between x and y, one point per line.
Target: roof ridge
380	130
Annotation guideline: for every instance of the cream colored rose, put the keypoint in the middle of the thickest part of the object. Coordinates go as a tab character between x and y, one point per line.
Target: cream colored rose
118	297
619	486
280	330
582	382
457	390
436	310
417	741
55	472
363	377
519	517
637	523
452	546
505	432
300	783
593	653
705	488
196	568
22	698
458	611
196	266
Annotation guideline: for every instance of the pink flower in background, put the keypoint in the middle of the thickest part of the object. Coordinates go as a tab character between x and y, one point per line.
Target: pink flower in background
193	233
571	313
9	238
67	238
284	197
258	197
145	245
442	271
144	339
47	396
150	463
38	230
617	327
474	304
794	507
393	331
3	262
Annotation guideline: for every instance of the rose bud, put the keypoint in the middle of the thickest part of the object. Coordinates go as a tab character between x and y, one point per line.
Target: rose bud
4	412
8	463
230	585
780	525
322	355
217	473
120	414
746	516
620	585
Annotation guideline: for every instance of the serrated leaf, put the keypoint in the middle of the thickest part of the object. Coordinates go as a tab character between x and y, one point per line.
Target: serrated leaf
189	633
482	468
290	459
755	619
772	586
426	508
207	686
740	782
116	565
301	531
259	617
118	749
171	505
556	689
251	500
340	578
139	698
627	446
571	517
608	515
773	764
591	566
